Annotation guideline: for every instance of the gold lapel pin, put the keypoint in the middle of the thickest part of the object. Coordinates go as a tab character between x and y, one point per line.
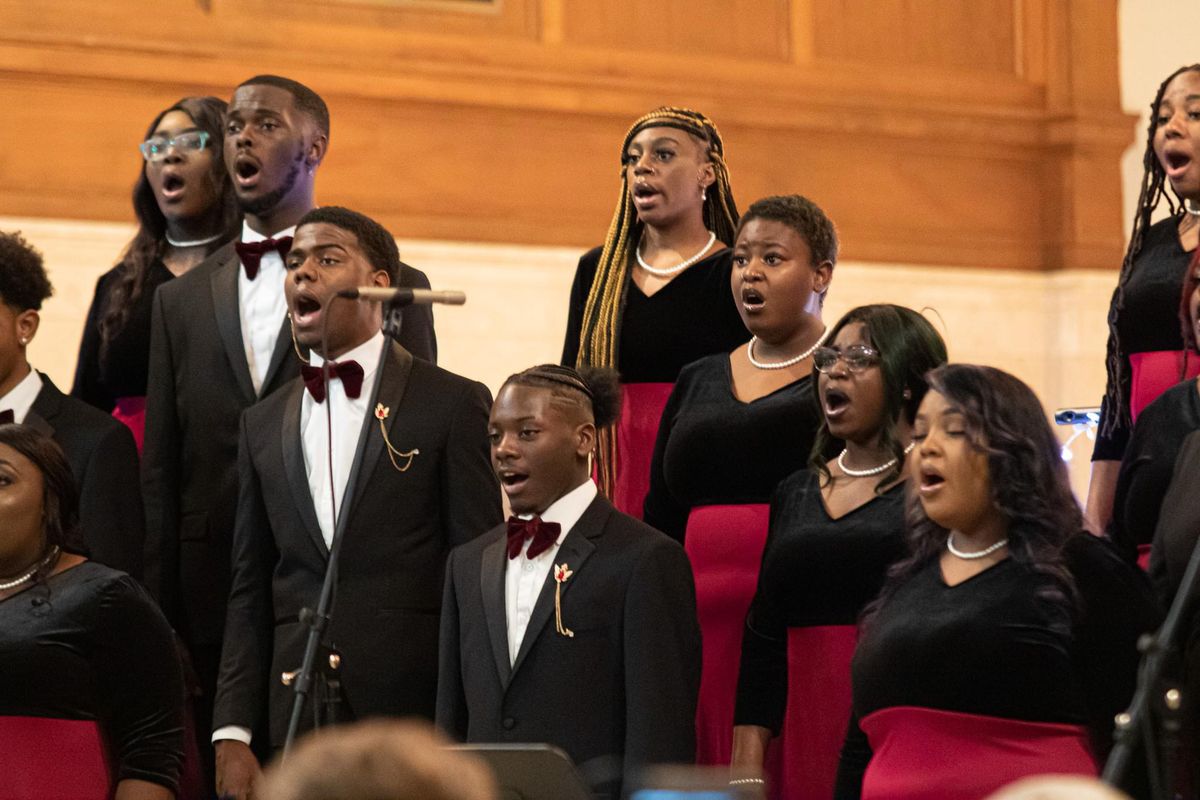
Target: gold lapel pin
561	573
381	414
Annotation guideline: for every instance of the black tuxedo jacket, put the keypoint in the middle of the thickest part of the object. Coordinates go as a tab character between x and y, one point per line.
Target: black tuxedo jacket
104	459
620	693
199	385
398	529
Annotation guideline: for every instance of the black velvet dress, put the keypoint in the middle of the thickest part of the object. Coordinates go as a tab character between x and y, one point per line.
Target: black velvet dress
962	689
691	317
1151	338
1148	464
818	573
92	692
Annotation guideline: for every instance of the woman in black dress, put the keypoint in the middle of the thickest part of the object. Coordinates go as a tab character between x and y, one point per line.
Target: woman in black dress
91	699
656	296
1145	353
834	529
1004	644
186	209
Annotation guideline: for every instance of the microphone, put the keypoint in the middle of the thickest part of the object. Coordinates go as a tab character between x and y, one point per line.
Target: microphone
405	297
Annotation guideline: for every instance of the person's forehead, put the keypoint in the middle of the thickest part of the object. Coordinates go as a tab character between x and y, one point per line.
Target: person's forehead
261	97
324	234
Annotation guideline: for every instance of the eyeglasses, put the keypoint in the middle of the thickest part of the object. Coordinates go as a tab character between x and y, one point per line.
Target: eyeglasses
155	148
857	357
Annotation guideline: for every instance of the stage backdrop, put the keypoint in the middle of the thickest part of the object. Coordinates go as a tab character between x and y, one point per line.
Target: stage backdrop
969	150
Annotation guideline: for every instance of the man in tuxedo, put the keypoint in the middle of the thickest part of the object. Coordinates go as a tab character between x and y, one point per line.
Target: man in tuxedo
410	479
220	343
100	449
573	624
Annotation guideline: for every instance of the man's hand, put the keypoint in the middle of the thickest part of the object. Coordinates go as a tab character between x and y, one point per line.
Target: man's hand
238	773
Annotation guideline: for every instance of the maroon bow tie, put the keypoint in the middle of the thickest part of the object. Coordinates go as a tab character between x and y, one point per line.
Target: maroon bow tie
349	372
251	253
7	417
543	534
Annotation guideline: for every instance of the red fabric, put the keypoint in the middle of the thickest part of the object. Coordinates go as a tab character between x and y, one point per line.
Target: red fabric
350	373
818	709
132	412
725	545
1155	372
925	754
543	534
641	408
251	253
44	758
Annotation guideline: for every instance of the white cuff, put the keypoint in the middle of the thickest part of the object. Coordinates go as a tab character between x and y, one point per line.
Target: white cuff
235	732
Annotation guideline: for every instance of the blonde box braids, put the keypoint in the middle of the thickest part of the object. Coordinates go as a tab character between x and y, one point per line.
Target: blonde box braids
602	313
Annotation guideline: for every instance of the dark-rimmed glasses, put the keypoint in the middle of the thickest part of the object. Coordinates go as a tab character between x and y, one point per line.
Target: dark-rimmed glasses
155	148
857	357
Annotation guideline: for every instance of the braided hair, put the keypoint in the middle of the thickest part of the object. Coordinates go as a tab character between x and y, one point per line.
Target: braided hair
1153	189
606	299
596	389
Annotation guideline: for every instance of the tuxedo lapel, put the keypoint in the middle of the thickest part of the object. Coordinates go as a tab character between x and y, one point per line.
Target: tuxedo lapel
395	367
45	407
574	552
297	476
491	584
224	283
282	352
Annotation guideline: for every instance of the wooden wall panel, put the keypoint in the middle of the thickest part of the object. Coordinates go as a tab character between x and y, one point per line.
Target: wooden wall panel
501	122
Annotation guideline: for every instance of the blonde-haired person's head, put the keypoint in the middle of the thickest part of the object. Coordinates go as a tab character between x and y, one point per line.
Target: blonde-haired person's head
379	760
1058	787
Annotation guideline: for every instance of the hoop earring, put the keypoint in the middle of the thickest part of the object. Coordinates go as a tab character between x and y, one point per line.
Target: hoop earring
295	344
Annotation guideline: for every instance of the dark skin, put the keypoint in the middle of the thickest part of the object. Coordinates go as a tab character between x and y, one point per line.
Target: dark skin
272	151
324	259
17	329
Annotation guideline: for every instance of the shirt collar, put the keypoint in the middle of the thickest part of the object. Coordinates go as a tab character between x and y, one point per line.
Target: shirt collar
251	235
567	509
366	354
21	397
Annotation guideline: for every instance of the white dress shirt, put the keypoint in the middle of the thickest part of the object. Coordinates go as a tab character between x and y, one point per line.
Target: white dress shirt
524	577
262	306
20	398
348	415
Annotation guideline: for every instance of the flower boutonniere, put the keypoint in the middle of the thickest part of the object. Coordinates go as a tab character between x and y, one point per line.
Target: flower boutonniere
381	414
561	573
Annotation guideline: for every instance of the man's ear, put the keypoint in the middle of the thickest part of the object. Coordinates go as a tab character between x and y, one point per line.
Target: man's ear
585	439
316	150
27	326
381	279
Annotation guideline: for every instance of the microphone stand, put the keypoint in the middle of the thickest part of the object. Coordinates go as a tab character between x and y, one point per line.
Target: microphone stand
1150	699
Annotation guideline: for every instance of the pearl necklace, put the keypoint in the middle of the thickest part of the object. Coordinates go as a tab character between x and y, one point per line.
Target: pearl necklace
987	551
681	266
15	582
866	473
1192	208
787	362
193	243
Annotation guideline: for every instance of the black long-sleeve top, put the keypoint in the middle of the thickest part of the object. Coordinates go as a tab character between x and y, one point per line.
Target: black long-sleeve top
691	317
996	645
1148	464
124	368
816	570
712	448
1148	322
89	644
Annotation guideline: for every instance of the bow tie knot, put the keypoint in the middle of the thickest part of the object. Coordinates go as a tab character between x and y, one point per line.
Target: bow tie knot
350	373
542	536
251	253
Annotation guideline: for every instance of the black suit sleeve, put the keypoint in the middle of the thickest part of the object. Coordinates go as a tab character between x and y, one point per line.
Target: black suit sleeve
856	754
661	509
452	712
87	386
110	503
417	335
247	648
763	672
585	272
662	659
161	468
470	492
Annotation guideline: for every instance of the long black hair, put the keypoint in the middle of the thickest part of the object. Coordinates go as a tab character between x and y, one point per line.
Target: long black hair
909	346
147	245
1154	188
1029	484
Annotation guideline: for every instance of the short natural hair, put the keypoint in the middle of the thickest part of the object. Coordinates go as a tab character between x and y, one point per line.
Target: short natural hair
23	281
596	390
307	101
379	760
377	244
801	215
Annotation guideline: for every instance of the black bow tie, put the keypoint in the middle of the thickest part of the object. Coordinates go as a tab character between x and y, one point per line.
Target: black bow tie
251	253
